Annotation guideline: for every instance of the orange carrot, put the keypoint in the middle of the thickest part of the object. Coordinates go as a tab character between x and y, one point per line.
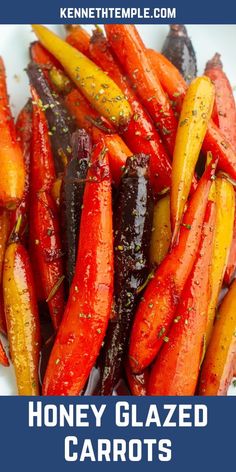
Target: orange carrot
12	177
132	54
175	372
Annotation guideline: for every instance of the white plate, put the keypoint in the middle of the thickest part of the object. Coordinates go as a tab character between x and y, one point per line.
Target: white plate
207	39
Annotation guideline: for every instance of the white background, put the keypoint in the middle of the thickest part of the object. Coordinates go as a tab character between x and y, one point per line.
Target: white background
207	39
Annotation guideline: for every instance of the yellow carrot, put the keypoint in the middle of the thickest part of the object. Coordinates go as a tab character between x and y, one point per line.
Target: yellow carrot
218	365
97	87
194	118
224	197
21	312
161	233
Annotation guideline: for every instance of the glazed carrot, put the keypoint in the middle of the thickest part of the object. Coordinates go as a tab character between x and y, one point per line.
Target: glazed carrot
71	199
87	118
176	369
132	231
225	199
78	37
171	79
47	254
50	67
118	152
231	264
42	57
24	135
219	363
224	113
43	172
131	52
214	141
179	50
195	114
88	309
3	325
3	357
45	244
140	134
60	123
137	382
161	231
22	316
4	235
12	178
96	86
157	308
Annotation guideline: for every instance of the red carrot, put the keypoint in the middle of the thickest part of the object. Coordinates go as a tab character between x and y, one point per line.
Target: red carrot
224	113
132	54
176	369
88	309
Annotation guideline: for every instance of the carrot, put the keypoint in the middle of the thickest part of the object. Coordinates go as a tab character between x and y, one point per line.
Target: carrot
131	52
24	135
12	177
87	118
219	364
179	50
21	312
140	134
3	325
224	198
171	79
161	231
78	37
5	229
224	116
132	231
42	57
51	67
59	121
99	89
214	141
42	168
175	372
195	114
157	308
224	113
231	264
45	243
47	254
88	309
